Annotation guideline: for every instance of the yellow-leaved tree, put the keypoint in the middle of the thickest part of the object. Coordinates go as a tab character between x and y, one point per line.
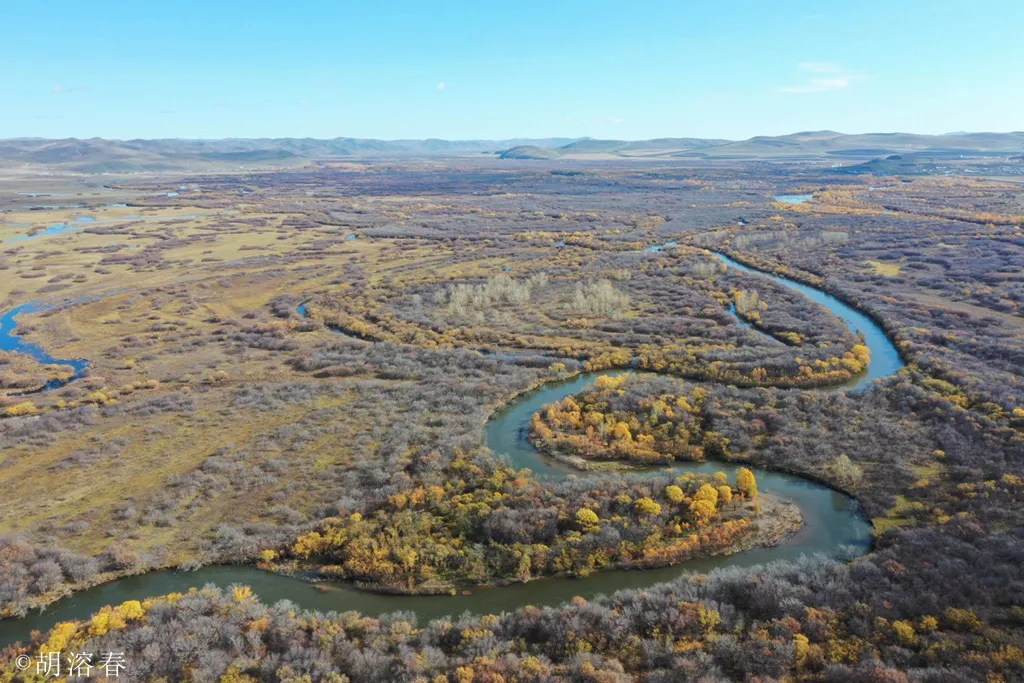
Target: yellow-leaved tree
674	494
702	511
746	483
724	494
646	506
586	518
709	493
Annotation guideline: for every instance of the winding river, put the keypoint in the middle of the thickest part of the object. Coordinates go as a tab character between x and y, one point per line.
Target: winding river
83	222
885	359
832	521
13	343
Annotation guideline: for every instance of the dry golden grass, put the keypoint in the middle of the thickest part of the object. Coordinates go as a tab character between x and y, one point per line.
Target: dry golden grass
204	270
885	269
161	447
219	269
38	492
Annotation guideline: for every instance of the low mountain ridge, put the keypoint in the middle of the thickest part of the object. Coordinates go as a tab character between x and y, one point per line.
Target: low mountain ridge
529	152
98	155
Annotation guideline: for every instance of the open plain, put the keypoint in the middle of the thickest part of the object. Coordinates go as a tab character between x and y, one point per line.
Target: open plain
300	370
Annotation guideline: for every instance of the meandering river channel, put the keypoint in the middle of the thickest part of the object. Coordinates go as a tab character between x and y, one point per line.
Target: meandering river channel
832	519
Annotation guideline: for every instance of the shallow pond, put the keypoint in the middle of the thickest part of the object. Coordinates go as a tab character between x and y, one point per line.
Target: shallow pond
793	198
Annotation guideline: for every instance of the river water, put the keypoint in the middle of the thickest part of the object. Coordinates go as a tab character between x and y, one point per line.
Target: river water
794	198
832	520
61	228
885	359
12	342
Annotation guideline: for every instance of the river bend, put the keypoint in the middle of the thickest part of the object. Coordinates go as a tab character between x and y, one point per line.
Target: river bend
832	520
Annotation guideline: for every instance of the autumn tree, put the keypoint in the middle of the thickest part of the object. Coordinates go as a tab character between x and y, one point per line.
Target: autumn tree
708	493
845	471
724	495
646	506
674	494
702	510
621	432
746	483
23	408
586	518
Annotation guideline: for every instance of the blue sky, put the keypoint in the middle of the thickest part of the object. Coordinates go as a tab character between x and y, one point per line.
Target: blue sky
460	70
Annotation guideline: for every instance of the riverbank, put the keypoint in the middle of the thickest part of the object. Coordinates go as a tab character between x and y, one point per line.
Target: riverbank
771	521
816	283
830	521
777	524
12	612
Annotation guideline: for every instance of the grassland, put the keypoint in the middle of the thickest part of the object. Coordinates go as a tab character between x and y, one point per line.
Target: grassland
217	424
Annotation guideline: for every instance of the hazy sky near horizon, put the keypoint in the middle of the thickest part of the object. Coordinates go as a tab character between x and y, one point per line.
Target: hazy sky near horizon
463	70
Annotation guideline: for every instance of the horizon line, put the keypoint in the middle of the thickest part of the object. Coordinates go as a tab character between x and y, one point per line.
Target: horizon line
518	137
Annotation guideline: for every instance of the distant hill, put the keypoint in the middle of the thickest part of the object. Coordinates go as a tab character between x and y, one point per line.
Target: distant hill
831	143
922	163
590	146
894	164
529	152
806	145
639	147
97	155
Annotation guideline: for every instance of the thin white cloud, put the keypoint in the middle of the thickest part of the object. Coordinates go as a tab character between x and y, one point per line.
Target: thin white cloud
63	90
442	86
614	120
822	77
